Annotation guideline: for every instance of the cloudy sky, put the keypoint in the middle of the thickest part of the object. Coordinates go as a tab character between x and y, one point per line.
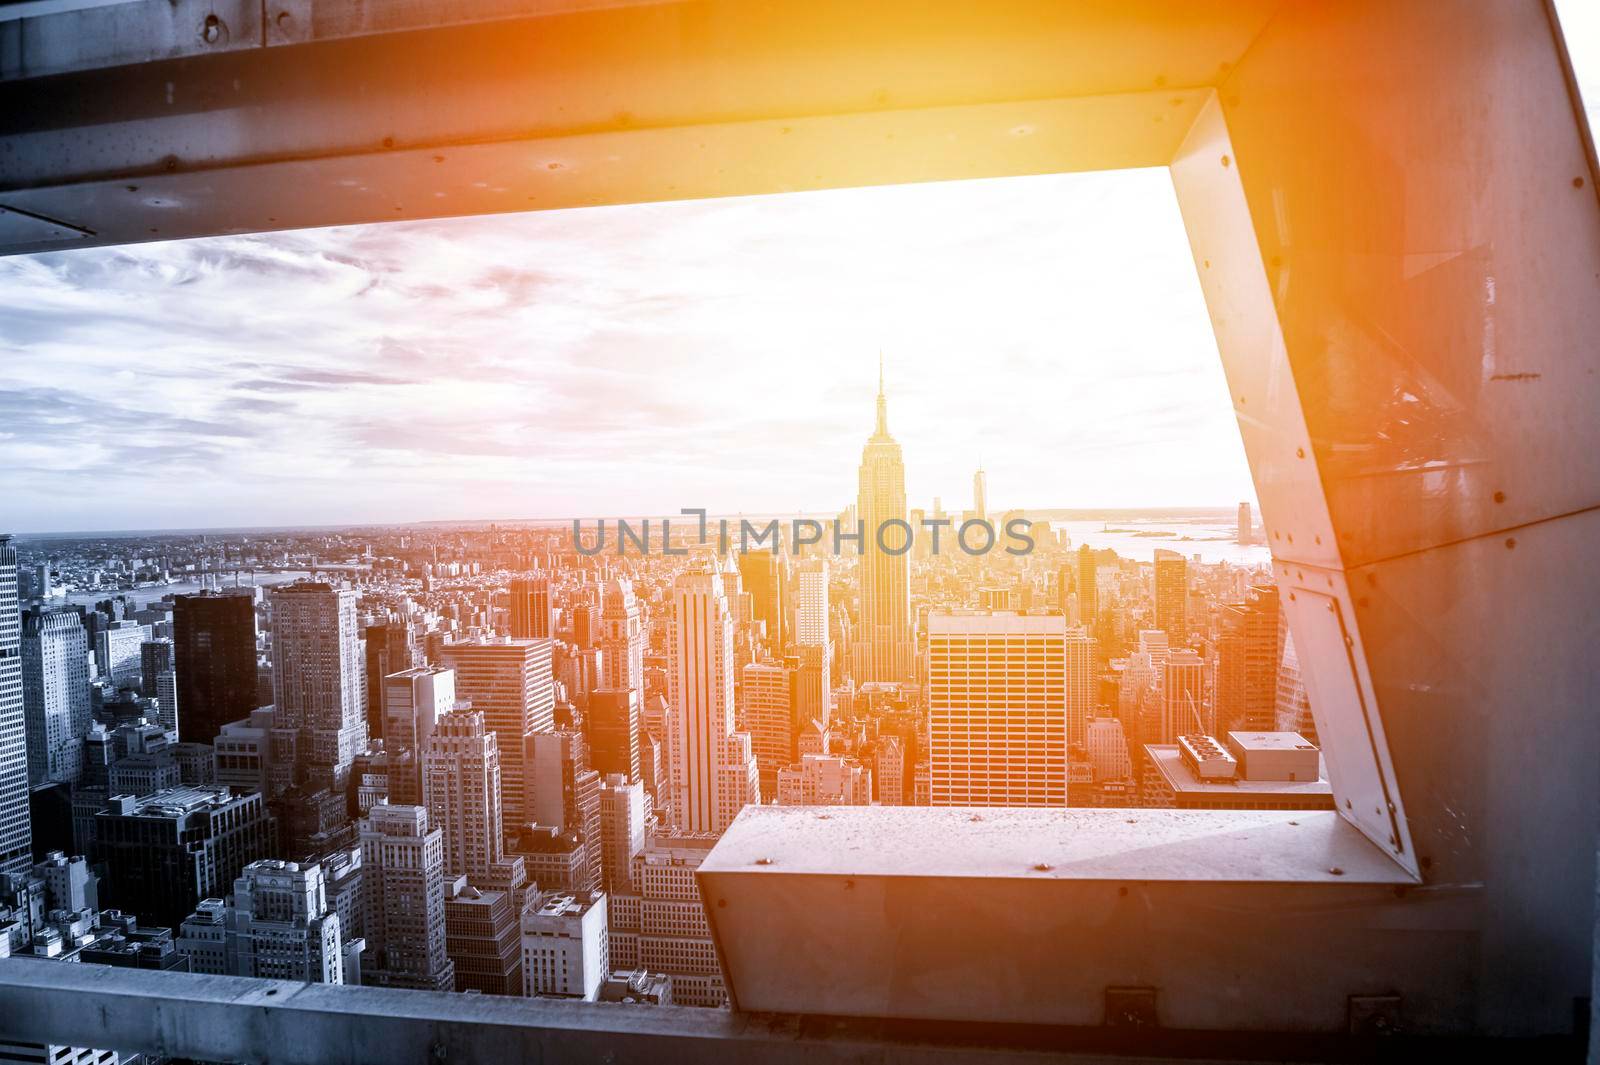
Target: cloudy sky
634	359
630	360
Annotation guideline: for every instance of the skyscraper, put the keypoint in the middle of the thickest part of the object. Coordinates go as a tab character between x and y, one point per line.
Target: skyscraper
621	638
761	572
55	694
622	835
391	648
214	655
414	700
1172	594
883	648
402	875
613	723
980	494
1088	587
1247	663
509	682
704	758
530	608
1080	681
319	677
1183	709
461	789
998	710
813	681
564	794
16	835
766	690
1246	530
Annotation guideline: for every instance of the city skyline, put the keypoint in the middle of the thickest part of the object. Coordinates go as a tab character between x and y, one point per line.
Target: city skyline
597	361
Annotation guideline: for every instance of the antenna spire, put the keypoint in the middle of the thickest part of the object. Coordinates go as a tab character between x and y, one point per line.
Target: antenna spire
883	404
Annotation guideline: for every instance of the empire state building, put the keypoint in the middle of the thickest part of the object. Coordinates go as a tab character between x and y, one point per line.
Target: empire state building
884	649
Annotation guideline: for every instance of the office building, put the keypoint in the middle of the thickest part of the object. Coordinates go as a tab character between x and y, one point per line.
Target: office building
824	780
884	645
1088	587
403	884
712	771
614	729
118	652
1172	596
564	946
55	694
483	938
242	753
998	709
319	677
413	701
461	789
766	690
277	924
1183	701
530	608
622	831
165	852
565	795
510	683
662	925
16	837
761	572
391	648
214	657
1247	662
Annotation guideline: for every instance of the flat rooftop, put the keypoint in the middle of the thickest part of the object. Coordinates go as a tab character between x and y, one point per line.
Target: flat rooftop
1071	844
1166	759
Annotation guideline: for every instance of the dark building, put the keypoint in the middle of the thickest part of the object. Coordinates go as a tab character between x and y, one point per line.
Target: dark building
391	648
165	852
530	608
613	721
761	573
484	939
214	653
1247	663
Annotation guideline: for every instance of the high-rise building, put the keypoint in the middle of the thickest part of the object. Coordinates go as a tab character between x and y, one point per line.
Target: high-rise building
1172	596
510	683
1246	528
402	870
711	770
564	794
813	679
662	925
1107	747
214	656
766	690
391	648
565	948
243	753
614	727
414	700
155	658
165	852
761	573
16	836
883	645
277	925
622	638
1088	586
622	831
319	677
889	771
1080	681
530	608
980	495
118	649
1293	709
483	938
1247	663
55	694
461	789
998	709
1183	704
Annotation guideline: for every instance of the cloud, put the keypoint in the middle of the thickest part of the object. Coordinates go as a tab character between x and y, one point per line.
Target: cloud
718	353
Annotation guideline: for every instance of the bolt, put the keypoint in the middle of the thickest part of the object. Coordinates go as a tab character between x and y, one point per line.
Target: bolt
1335	870
763	861
1042	867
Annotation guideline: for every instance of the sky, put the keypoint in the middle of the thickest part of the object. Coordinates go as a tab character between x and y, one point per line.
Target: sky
633	360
